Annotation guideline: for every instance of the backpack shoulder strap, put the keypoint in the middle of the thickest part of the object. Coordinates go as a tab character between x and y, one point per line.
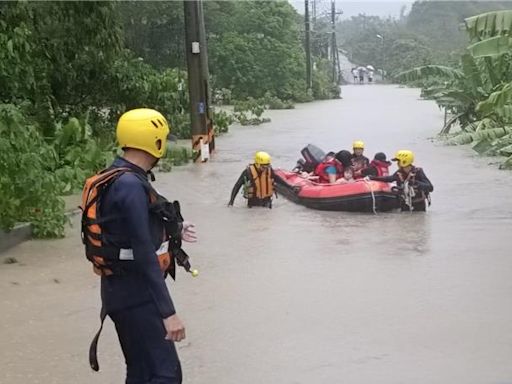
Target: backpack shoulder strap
94	183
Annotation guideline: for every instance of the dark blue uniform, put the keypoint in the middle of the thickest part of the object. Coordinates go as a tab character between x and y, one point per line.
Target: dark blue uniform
137	298
419	181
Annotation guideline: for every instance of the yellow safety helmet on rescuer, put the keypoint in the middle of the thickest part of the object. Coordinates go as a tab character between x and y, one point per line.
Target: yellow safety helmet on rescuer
404	158
144	129
358	144
262	158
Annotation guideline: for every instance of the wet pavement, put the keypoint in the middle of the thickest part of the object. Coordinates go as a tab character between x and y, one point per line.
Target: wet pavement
292	295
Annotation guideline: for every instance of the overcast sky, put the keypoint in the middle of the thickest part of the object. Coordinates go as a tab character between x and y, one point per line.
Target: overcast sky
381	8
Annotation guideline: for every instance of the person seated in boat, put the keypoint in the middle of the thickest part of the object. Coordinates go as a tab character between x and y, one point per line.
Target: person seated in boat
379	166
348	176
359	161
345	158
329	170
257	181
309	176
412	182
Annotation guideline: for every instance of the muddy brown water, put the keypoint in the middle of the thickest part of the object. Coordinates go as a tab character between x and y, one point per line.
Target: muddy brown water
292	295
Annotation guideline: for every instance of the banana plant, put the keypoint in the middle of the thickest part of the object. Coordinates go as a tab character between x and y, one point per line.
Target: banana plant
459	90
478	94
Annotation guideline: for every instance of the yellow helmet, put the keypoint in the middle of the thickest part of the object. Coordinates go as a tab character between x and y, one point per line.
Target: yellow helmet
144	129
404	158
262	158
358	144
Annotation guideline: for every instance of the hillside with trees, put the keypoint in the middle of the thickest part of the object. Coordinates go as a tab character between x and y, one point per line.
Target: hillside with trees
431	33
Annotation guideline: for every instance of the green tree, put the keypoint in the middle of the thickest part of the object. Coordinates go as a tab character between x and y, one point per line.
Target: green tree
155	31
27	184
396	51
258	50
439	22
54	57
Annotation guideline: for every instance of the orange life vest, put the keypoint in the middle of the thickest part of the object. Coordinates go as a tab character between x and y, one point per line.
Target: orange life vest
261	183
104	257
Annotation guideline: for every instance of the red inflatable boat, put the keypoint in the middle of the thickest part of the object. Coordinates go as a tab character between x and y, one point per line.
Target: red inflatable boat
359	196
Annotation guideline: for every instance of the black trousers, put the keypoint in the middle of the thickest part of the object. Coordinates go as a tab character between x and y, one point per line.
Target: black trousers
255	202
150	359
419	206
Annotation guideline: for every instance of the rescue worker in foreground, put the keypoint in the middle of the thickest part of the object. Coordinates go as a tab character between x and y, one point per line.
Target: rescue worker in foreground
359	161
133	289
258	182
414	185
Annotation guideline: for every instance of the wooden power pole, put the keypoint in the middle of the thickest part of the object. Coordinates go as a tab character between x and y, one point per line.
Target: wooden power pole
333	39
198	86
307	24
335	54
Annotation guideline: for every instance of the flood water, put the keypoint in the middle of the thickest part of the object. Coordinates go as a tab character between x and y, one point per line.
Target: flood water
292	295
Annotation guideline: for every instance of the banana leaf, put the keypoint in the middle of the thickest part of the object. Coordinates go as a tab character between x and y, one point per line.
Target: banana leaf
506	151
507	164
471	70
485	124
488	134
449	124
489	25
420	73
497	99
461	139
494	46
430	92
504	113
482	146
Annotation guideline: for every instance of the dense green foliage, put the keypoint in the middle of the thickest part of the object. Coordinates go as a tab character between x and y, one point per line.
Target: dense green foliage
154	30
27	187
54	64
477	94
69	69
257	50
399	49
254	47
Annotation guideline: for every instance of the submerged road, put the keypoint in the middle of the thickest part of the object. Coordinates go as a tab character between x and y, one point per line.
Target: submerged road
292	295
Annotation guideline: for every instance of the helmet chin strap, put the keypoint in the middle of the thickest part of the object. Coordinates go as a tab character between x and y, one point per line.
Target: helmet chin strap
151	175
150	172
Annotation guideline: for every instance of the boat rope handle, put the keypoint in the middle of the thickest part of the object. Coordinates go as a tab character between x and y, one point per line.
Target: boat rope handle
374	207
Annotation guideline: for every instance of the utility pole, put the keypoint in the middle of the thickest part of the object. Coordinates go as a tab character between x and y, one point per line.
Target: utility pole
333	40
338	63
309	77
335	55
205	79
383	53
198	86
